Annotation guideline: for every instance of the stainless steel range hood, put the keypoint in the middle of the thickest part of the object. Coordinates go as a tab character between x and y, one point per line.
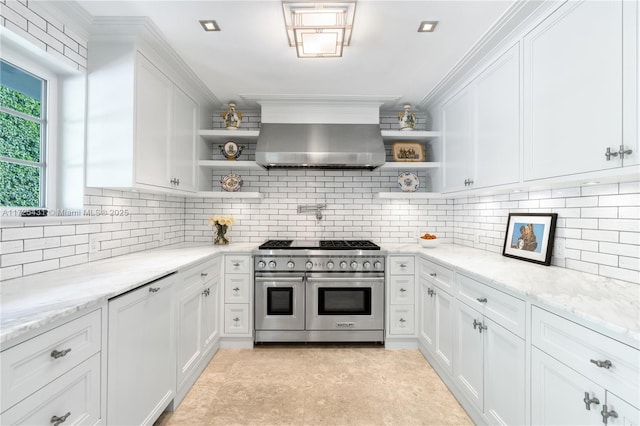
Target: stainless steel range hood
320	146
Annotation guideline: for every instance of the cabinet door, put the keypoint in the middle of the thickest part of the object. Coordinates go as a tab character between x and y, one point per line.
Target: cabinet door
504	375
558	393
427	325
627	414
183	145
210	322
468	362
457	125
497	122
573	93
141	378
190	332
153	124
444	329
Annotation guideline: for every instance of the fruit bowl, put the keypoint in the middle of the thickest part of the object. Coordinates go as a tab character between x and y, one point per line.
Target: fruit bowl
430	242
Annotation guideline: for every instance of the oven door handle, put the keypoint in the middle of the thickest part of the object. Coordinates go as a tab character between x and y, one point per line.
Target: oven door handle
281	279
343	279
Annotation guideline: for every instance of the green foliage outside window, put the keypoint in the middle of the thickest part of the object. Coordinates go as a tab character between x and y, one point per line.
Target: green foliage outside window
19	139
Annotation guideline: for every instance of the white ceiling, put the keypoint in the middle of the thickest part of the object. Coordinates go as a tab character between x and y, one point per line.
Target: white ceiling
251	56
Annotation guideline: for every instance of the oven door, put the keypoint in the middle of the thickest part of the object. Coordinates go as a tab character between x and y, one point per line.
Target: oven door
279	302
345	302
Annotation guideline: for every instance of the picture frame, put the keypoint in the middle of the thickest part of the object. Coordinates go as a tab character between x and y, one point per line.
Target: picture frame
529	237
407	151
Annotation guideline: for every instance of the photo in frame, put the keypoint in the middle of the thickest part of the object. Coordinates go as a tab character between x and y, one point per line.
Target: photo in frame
407	151
529	237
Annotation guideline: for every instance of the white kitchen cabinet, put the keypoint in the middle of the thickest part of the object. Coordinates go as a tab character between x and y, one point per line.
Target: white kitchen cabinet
141	127
481	125
435	328
56	373
564	355
141	359
489	366
198	328
574	93
238	295
401	300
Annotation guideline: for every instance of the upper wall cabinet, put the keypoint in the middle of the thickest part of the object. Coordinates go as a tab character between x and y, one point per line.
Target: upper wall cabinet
580	90
481	128
141	125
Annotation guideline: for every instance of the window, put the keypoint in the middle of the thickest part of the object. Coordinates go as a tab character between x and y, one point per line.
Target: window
23	137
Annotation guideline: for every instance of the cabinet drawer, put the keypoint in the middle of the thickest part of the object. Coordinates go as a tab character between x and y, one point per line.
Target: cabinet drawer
30	365
506	310
401	264
438	275
235	264
204	271
401	289
401	320
236	288
576	346
236	318
76	392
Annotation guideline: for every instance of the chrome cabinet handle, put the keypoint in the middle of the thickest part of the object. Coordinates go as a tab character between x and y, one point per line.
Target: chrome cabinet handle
624	152
468	182
610	154
59	354
236	264
236	319
433	275
430	292
588	401
602	364
237	289
606	414
476	323
204	274
481	327
402	290
403	265
402	320
154	289
482	299
59	420
206	292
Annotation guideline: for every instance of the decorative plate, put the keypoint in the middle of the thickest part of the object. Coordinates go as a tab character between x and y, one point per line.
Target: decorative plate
408	182
231	150
231	182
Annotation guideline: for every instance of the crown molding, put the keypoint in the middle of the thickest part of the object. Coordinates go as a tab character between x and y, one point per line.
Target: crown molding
69	13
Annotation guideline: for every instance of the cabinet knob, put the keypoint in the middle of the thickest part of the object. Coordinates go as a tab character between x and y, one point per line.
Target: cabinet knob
430	292
433	275
602	364
204	274
402	290
55	354
403	265
624	152
588	401
236	289
236	265
606	414
58	420
236	319
476	323
154	289
402	320
468	182
481	327
610	154
206	292
482	299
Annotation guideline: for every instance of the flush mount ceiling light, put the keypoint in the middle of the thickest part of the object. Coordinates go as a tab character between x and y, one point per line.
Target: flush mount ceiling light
319	29
427	26
210	25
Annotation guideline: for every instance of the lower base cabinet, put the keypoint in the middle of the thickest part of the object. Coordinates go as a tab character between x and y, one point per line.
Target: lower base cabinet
141	361
489	366
436	323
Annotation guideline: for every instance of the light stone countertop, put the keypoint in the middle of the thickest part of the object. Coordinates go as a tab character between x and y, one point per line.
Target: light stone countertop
610	305
34	301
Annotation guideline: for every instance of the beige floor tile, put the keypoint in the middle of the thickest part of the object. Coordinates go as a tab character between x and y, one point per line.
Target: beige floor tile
318	385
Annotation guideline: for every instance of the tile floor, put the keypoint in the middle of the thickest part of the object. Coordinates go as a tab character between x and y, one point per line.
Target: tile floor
318	385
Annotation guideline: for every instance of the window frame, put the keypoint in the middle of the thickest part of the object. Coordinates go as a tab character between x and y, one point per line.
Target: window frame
49	122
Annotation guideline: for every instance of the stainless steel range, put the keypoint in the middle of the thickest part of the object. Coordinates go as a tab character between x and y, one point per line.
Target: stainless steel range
319	291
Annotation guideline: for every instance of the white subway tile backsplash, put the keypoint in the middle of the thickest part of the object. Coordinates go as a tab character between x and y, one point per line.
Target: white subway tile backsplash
619	273
37	267
630	225
22	233
607	189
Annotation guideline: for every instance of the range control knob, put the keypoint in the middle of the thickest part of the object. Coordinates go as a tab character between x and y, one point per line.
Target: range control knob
377	264
354	264
309	264
366	265
261	264
330	264
290	264
272	264
343	265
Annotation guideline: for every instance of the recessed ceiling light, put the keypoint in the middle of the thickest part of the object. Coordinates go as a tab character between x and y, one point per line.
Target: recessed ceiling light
593	182
210	25
427	26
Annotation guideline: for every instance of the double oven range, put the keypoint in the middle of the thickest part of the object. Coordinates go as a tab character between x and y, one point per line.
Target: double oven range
319	291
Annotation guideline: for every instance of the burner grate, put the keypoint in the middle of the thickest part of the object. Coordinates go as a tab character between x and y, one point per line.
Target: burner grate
276	244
